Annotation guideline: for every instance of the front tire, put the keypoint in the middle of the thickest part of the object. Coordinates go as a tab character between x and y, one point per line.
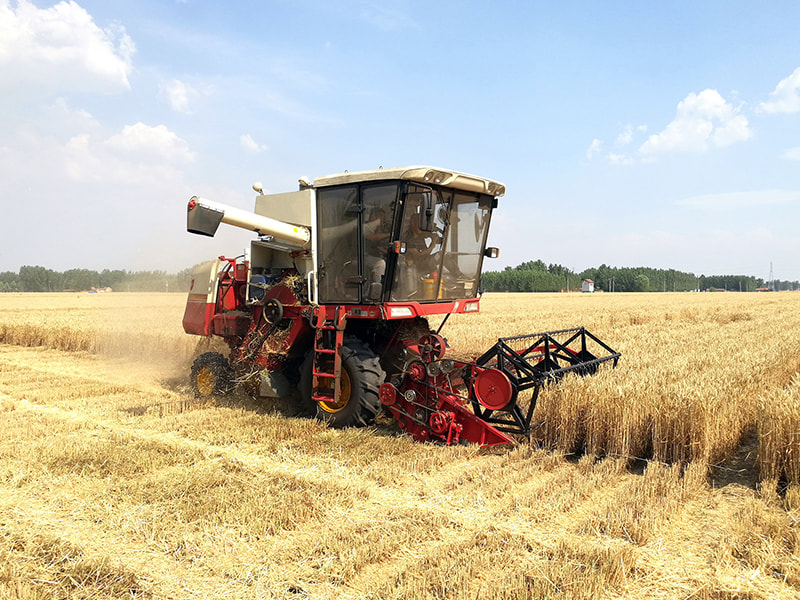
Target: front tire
211	375
361	377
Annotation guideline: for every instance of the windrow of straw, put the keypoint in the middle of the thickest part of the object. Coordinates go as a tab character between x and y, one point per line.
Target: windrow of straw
144	326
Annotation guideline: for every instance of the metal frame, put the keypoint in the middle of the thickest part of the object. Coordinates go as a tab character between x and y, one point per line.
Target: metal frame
539	363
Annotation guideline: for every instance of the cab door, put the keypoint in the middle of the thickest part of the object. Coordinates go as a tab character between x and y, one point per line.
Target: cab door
355	229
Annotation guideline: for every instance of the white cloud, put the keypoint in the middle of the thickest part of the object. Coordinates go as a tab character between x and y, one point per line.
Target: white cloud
620	159
702	120
731	200
102	201
177	94
595	147
625	137
137	154
61	48
60	118
792	153
250	145
785	98
150	144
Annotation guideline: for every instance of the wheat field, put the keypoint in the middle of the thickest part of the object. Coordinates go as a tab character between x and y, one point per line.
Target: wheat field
673	476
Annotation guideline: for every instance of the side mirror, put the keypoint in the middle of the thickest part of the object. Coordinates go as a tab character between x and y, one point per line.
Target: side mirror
491	252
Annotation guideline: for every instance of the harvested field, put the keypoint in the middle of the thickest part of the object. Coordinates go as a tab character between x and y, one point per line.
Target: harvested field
674	476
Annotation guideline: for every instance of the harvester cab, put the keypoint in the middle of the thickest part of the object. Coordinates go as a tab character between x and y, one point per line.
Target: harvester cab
330	306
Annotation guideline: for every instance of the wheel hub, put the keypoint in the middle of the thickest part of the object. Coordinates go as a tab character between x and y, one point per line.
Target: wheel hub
344	395
205	381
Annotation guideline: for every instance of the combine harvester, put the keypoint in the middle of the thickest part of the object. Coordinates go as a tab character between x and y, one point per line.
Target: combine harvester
330	307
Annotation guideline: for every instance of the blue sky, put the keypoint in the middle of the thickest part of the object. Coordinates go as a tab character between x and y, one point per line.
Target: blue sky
657	134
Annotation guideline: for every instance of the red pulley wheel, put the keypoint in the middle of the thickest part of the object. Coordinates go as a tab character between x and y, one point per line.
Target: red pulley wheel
439	422
432	347
417	371
493	389
387	394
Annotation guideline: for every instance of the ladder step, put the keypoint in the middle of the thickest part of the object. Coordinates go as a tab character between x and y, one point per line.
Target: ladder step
327	360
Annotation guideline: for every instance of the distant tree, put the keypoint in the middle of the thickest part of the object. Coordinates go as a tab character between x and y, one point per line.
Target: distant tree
33	279
9	282
732	283
532	265
81	279
111	279
536	276
641	282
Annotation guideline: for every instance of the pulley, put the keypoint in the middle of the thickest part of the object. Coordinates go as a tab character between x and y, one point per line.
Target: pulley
493	389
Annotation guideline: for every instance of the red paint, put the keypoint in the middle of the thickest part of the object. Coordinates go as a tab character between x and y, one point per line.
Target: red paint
197	316
493	389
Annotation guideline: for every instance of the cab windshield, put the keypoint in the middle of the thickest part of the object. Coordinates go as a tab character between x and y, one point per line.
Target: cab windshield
444	232
445	235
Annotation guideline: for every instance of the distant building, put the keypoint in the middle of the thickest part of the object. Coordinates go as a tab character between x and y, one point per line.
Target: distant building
587	286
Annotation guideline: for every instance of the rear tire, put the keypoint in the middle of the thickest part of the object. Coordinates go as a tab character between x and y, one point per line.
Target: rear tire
211	375
361	377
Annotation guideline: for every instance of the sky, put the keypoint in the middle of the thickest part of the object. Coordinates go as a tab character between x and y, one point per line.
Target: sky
658	134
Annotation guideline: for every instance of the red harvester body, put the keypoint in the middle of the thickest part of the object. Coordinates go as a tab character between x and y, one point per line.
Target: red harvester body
330	306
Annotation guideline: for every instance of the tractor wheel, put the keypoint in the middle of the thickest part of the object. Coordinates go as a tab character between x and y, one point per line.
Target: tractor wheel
361	377
211	375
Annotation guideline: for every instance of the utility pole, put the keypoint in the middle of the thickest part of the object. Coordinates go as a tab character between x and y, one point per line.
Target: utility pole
771	278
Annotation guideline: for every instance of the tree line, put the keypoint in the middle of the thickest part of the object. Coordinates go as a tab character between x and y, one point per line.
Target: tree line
531	276
536	276
41	279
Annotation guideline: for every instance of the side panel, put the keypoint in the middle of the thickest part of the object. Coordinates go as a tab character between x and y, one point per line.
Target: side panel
202	298
290	207
230	325
198	314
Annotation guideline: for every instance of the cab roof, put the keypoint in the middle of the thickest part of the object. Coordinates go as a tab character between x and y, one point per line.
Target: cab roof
425	175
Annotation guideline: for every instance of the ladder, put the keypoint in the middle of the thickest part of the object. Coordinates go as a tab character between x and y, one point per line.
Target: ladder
326	368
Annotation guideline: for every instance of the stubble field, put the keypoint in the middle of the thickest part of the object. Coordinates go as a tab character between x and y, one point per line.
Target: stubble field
674	476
